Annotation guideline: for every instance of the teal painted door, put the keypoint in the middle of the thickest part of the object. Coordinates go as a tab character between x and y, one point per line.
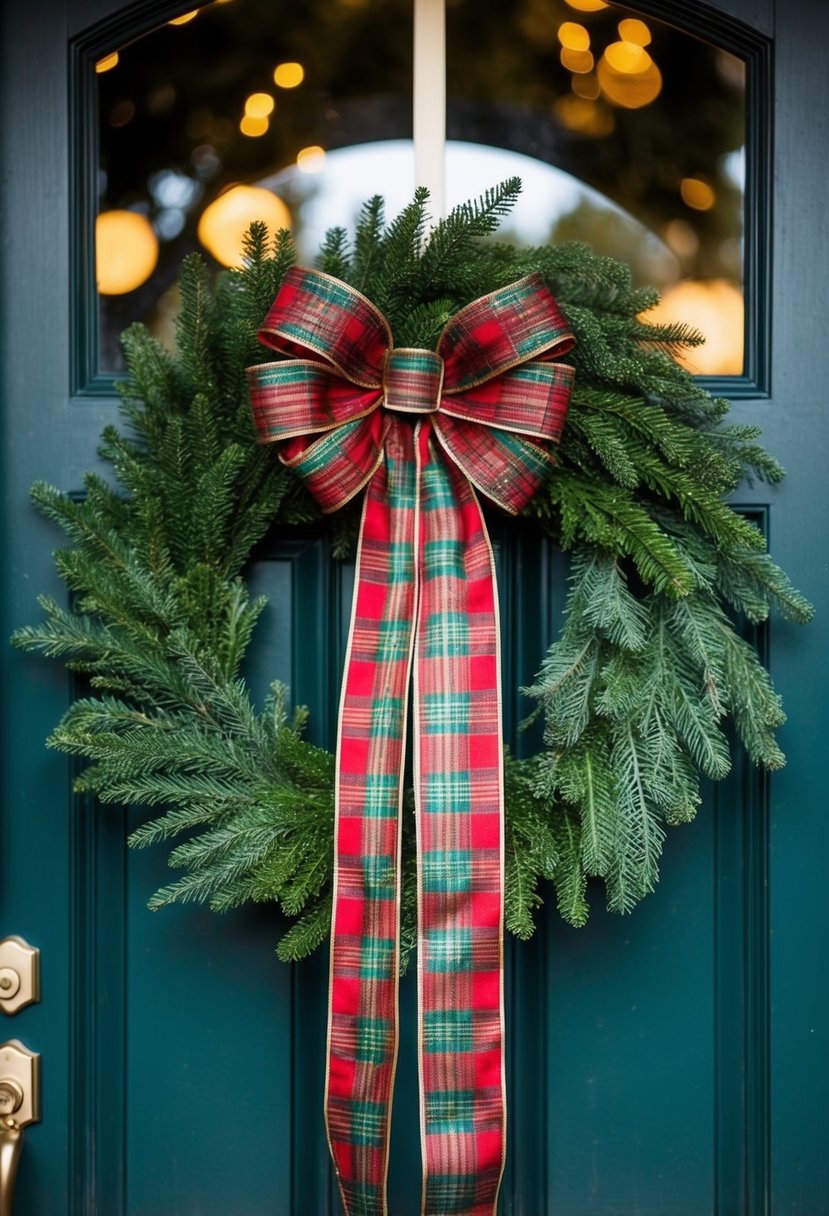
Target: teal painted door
672	1063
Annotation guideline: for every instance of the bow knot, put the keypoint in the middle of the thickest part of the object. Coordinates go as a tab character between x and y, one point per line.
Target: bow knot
493	389
412	381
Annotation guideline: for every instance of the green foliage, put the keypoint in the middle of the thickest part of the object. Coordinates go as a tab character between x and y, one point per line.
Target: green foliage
635	693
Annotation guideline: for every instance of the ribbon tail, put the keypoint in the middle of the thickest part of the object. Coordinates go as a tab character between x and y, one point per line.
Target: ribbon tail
460	829
363	982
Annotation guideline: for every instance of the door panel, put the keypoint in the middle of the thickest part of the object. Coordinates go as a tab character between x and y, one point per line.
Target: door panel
644	1051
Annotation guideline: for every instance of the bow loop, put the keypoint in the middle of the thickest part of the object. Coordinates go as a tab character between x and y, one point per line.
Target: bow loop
300	397
338	464
319	316
510	326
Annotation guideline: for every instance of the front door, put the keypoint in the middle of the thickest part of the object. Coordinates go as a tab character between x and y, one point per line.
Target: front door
671	1063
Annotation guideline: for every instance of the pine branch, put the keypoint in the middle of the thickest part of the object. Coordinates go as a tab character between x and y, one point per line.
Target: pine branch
333	257
585	778
306	934
368	241
193	326
610	518
635	870
457	234
604	602
568	876
530	852
751	581
178	819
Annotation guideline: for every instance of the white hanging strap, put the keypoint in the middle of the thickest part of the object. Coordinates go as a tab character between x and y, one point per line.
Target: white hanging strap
430	101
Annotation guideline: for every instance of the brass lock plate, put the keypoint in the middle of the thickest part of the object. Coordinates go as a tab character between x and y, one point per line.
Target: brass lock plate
19	974
19	1084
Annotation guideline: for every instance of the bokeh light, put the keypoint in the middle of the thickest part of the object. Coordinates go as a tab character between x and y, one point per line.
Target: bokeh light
253	126
634	30
697	194
259	105
311	160
583	115
126	251
576	61
288	75
681	238
623	82
223	224
715	307
628	58
573	36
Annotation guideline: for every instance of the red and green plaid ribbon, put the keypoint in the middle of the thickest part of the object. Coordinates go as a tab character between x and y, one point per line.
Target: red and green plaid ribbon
422	431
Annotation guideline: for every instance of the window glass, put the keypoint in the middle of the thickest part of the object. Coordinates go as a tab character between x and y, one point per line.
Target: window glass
628	134
642	128
238	110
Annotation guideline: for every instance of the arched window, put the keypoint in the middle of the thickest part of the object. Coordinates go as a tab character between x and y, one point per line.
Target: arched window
628	132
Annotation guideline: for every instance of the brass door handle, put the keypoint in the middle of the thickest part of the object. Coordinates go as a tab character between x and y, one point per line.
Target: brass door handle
11	1143
19	974
19	1106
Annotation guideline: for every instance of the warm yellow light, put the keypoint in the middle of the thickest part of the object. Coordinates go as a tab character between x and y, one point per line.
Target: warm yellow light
586	86
574	36
634	30
126	251
587	6
697	194
583	115
681	237
108	62
184	18
576	61
311	160
253	125
259	105
715	307
288	75
225	221
628	58
631	90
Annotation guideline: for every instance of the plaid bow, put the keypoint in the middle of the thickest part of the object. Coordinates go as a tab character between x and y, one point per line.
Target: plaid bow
422	430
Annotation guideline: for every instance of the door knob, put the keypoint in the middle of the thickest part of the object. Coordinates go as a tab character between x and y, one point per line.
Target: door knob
19	1106
11	1096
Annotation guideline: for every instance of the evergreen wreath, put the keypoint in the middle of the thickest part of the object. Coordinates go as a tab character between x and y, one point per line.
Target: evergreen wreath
635	693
